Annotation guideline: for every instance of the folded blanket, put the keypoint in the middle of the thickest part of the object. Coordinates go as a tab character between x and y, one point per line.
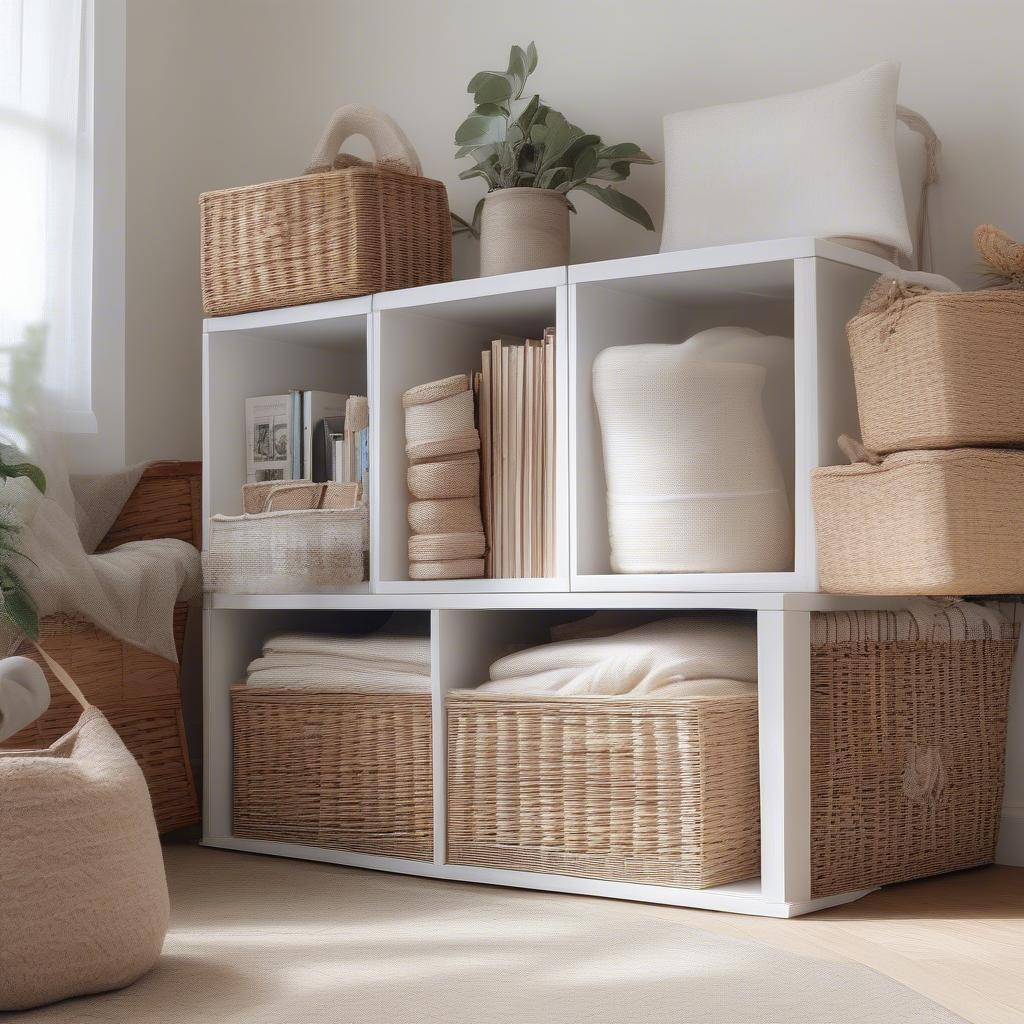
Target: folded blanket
376	663
346	680
647	660
408	650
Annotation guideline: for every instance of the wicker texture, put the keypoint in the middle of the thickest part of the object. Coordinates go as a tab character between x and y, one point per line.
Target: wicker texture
343	771
138	692
908	743
459	515
440	425
322	236
274	496
636	790
939	369
455	478
287	552
523	229
935	522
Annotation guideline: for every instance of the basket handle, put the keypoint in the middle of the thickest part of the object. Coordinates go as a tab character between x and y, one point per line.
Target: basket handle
63	678
268	505
917	123
392	149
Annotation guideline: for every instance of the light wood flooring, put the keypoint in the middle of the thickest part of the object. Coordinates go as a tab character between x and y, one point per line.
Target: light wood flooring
957	939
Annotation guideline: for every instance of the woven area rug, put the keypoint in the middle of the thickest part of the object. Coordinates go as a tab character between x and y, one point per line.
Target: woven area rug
258	940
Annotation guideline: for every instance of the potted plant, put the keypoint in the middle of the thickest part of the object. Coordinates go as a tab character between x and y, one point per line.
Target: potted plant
17	609
531	158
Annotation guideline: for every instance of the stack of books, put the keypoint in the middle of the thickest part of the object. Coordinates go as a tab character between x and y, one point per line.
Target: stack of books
516	413
307	435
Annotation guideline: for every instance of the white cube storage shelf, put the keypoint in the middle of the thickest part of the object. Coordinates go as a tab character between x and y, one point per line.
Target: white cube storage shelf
386	343
389	342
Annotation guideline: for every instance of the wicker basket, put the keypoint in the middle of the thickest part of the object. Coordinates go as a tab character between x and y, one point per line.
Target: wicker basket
344	771
934	522
301	551
908	743
344	228
137	691
939	369
297	495
634	790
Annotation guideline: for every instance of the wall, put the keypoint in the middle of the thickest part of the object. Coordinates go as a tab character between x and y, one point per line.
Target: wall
228	92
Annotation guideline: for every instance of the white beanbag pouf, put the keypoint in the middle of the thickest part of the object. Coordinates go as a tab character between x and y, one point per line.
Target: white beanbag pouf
821	163
85	905
694	482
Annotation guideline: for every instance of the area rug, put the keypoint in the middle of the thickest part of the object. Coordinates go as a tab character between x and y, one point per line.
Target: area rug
259	940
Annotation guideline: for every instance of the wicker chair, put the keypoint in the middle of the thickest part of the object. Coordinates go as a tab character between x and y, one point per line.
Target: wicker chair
137	691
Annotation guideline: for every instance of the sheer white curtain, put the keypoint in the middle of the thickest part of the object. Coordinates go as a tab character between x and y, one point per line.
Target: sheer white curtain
46	209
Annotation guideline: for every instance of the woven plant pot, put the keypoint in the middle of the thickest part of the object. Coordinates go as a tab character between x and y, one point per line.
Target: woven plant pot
939	369
523	229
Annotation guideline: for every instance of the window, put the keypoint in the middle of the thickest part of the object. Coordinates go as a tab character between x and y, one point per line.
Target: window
46	208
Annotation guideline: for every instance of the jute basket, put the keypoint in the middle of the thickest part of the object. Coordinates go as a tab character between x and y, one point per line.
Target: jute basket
939	369
922	522
605	787
287	552
138	692
344	228
344	771
908	742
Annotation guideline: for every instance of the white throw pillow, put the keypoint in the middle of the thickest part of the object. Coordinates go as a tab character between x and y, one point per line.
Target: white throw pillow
819	163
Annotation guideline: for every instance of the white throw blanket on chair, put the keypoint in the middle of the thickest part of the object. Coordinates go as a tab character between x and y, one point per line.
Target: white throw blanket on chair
130	591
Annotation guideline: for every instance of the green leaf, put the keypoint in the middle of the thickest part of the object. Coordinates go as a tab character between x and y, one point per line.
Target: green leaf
491	110
618	171
531	58
20	611
625	151
620	203
492	87
529	114
551	177
479	131
586	162
517	68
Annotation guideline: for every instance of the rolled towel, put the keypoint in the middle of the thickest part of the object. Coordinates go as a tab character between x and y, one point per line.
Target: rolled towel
24	694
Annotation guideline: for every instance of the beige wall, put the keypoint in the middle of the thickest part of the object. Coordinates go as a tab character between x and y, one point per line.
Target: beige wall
229	92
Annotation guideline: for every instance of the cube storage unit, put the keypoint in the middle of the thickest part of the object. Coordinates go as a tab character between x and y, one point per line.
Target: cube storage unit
805	287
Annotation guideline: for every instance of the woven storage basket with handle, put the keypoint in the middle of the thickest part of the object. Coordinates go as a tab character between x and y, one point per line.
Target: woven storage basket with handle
939	369
921	522
344	228
346	771
137	691
661	791
908	744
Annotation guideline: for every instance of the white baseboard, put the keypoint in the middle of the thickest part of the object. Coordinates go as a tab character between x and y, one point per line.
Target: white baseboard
1011	836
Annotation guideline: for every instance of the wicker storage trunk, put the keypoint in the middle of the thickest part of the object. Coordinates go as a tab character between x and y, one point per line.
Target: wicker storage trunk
908	744
939	369
634	790
345	771
344	228
931	522
137	691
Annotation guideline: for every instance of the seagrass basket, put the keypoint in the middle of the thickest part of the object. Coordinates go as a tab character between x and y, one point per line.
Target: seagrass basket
137	691
943	522
344	228
939	369
654	791
344	771
908	747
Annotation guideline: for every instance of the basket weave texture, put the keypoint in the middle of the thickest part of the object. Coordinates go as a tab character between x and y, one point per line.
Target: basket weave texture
322	236
939	369
908	742
922	522
345	771
634	790
137	691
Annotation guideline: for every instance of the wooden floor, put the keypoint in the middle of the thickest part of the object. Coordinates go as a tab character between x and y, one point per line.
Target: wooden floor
958	939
